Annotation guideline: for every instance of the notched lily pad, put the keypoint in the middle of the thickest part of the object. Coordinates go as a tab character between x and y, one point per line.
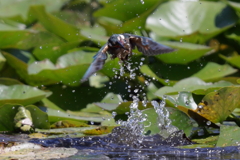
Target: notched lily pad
217	106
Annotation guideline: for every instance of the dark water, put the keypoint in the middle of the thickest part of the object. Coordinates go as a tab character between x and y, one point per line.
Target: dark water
121	144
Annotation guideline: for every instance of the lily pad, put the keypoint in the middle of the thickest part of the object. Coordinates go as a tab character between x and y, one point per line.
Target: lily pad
229	136
53	51
192	84
21	94
234	60
217	106
214	71
185	52
69	68
177	20
56	25
19	10
133	17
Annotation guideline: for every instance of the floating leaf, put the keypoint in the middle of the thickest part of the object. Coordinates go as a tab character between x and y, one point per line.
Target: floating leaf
178	119
192	84
53	51
234	60
69	68
19	9
185	52
56	25
21	94
217	106
214	71
21	69
229	136
167	22
133	17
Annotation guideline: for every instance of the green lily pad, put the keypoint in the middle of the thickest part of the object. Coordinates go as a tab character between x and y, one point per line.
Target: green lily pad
214	71
26	39
192	84
146	70
40	118
133	17
19	10
185	52
69	68
168	22
178	119
56	25
21	94
217	106
57	115
229	136
234	60
53	51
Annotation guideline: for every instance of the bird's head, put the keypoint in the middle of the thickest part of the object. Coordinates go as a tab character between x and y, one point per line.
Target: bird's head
116	41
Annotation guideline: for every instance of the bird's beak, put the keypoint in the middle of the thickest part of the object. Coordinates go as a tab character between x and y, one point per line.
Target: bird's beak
121	44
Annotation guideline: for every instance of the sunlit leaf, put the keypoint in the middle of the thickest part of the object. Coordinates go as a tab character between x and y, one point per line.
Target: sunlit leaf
213	18
19	9
133	17
213	71
192	84
69	68
217	106
21	94
185	52
234	60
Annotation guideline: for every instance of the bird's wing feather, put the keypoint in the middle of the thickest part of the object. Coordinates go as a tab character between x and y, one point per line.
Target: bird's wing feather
147	46
97	64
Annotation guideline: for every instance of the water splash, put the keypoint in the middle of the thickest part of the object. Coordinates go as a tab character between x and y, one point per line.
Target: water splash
133	133
164	122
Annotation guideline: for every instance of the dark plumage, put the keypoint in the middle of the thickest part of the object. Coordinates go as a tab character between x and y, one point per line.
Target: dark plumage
121	46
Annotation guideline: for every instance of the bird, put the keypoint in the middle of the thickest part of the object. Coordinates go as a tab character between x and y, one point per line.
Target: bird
121	46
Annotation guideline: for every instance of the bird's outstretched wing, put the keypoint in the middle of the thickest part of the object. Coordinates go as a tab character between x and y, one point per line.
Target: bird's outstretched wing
97	64
147	46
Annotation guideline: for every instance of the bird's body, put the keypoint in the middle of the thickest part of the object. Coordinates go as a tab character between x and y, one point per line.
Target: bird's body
121	46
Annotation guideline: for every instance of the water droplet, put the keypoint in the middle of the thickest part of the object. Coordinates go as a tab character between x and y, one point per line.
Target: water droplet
73	91
146	82
142	59
208	123
114	114
139	27
136	90
166	80
188	67
40	47
92	123
142	1
200	106
13	107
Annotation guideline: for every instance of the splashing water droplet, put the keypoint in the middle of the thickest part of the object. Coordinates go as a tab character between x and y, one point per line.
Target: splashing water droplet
136	90
208	123
114	114
146	82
